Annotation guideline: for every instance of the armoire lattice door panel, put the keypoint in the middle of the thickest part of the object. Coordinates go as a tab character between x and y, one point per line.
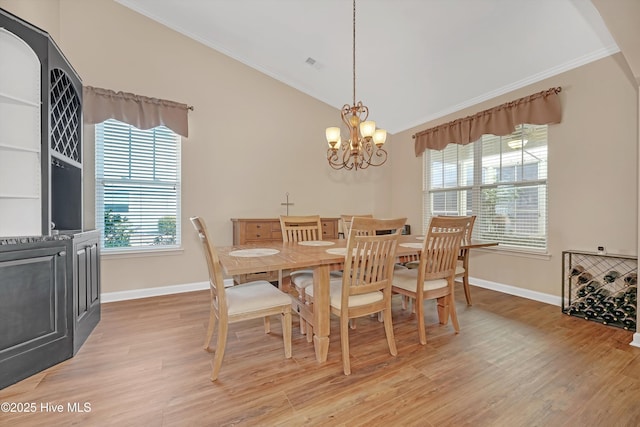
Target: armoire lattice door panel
65	116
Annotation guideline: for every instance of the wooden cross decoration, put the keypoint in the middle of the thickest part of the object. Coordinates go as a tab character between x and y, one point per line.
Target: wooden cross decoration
287	204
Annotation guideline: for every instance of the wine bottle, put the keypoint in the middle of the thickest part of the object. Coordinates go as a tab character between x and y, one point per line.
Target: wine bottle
607	317
629	309
590	312
611	276
629	323
619	297
631	279
603	293
631	294
593	286
608	302
598	308
619	313
591	298
581	291
575	307
585	277
576	270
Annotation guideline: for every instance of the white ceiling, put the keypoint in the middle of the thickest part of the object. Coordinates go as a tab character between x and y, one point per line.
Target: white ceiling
416	60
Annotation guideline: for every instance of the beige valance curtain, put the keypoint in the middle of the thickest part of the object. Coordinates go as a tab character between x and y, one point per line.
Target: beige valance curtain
140	111
537	109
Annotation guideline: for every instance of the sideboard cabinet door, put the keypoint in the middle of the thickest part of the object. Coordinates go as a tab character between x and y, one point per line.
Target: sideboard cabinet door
35	331
86	286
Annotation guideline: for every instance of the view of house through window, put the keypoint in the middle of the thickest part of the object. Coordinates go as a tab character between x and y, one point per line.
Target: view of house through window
137	187
500	179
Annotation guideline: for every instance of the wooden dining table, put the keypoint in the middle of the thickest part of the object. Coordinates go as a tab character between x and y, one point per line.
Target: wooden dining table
321	257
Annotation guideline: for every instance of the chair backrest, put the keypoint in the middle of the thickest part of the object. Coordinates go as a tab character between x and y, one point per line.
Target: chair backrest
300	228
471	219
442	246
216	280
347	220
370	257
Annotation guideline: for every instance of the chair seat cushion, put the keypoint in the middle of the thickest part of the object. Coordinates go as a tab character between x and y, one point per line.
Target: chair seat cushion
408	279
459	269
335	293
254	296
303	279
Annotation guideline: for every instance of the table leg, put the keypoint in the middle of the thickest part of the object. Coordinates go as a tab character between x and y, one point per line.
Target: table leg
321	312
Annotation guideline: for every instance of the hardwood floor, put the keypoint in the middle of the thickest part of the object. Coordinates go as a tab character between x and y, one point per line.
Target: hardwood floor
516	362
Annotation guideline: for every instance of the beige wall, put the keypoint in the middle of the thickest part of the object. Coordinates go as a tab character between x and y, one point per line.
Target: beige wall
252	139
593	189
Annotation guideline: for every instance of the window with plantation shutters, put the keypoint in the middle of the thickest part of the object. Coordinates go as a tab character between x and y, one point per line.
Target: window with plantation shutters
500	179
137	187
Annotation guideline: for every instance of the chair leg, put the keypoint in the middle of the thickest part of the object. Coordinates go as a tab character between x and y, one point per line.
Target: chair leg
267	324
388	329
286	333
344	342
465	285
443	312
210	329
454	314
303	323
309	332
222	342
419	306
303	326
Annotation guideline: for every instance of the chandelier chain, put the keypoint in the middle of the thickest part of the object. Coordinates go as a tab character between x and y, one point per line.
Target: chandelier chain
354	52
364	146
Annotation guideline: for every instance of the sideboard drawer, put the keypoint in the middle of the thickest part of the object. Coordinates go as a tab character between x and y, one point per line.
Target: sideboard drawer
329	229
258	231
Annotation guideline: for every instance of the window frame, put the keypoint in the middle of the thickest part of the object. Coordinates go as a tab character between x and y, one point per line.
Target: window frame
475	189
142	183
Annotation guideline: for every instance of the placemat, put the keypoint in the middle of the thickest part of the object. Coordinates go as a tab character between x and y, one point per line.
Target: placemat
411	245
316	243
254	252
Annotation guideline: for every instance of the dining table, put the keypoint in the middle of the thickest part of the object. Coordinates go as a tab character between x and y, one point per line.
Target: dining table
321	256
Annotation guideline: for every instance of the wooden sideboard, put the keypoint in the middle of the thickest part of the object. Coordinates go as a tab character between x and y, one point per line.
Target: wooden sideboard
257	230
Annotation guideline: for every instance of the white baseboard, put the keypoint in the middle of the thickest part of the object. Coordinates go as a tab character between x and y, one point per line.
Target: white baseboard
636	340
519	292
154	292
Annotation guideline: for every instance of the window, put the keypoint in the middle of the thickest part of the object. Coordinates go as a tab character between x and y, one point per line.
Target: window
137	187
501	180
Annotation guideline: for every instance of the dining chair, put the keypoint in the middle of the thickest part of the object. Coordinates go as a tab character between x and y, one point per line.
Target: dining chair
365	288
299	229
239	303
434	277
462	266
346	222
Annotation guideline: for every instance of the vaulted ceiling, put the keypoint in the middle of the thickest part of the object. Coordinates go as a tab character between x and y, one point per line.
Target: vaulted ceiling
416	60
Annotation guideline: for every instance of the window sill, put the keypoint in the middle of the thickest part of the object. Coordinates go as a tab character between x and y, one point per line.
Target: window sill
141	253
524	253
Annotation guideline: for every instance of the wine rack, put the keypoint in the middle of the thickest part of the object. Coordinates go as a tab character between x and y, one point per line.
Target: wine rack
600	287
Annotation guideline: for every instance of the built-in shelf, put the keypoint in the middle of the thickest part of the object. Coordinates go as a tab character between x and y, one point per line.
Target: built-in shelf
16	100
17	148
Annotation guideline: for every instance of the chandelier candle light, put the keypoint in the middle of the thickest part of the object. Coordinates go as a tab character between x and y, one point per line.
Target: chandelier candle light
364	147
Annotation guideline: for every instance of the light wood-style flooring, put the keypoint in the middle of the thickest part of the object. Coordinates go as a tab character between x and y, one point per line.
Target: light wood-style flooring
516	362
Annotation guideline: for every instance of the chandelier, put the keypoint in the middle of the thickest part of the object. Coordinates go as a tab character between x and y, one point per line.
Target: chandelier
364	146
